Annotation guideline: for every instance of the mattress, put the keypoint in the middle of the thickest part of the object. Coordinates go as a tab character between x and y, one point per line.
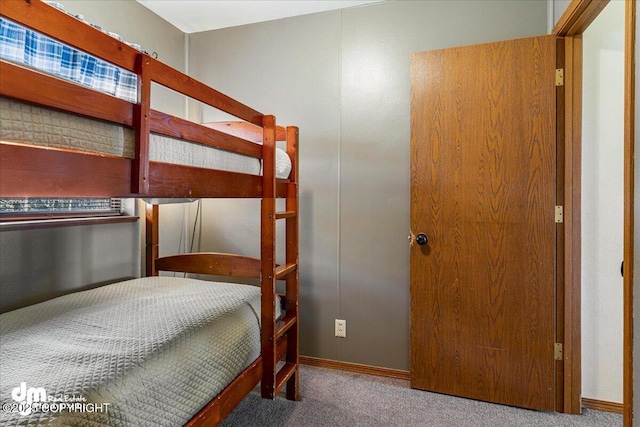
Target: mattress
25	123
145	352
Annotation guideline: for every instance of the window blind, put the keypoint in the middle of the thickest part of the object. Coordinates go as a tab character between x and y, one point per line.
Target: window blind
17	207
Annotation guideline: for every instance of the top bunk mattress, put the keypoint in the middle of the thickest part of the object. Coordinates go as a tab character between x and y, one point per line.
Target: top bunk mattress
26	123
154	350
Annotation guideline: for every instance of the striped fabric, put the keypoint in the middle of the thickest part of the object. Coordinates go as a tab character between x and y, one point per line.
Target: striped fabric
24	46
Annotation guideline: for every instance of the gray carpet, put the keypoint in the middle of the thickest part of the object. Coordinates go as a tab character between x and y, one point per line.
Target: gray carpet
336	398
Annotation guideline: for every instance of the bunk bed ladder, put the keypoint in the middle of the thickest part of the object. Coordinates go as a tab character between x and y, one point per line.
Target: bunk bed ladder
286	330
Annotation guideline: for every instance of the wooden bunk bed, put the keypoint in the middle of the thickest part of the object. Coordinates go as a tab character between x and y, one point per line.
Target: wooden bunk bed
29	170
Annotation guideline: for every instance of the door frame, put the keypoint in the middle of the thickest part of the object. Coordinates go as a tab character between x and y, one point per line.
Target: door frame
576	18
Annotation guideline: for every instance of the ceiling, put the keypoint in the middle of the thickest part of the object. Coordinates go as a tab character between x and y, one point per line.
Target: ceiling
192	16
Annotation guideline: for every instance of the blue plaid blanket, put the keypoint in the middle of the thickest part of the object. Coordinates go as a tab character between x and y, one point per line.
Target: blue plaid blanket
22	45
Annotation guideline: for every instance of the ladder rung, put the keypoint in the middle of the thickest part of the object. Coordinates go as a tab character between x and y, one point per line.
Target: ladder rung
283	270
283	325
283	375
286	214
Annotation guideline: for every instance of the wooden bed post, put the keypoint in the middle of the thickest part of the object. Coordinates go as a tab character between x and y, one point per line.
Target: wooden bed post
140	165
152	246
267	257
292	292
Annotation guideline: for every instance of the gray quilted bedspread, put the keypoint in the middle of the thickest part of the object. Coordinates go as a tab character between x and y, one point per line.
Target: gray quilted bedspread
154	350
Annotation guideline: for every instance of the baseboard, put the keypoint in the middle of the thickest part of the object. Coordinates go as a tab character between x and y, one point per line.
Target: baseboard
355	367
601	405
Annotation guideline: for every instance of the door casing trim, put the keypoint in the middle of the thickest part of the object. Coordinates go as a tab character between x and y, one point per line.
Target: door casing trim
576	18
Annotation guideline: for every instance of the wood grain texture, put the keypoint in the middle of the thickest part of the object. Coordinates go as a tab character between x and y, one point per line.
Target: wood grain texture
142	128
28	171
483	190
577	17
31	86
268	286
245	130
212	263
152	238
629	206
560	229
572	225
601	405
282	271
284	374
284	325
168	180
292	258
355	367
269	157
268	257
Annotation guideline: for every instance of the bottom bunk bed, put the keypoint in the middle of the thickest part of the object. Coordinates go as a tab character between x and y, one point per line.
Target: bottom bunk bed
155	351
150	351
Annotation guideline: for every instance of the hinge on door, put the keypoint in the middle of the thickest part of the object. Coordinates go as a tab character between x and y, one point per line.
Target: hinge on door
559	214
559	76
558	351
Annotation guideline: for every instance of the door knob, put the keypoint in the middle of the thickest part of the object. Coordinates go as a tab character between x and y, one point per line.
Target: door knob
422	239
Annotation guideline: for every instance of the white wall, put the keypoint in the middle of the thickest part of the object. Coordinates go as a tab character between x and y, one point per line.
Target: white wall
602	205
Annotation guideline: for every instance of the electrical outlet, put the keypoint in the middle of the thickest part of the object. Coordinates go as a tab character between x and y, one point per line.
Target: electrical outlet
341	328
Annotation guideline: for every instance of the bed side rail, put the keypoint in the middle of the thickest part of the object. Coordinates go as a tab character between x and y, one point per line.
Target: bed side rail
213	263
32	86
246	131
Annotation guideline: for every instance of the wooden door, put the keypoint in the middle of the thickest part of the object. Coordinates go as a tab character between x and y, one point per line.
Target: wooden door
483	156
